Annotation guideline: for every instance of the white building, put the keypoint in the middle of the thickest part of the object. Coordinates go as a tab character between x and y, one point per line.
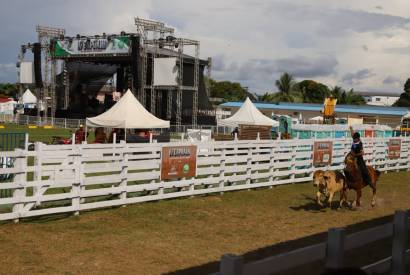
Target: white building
379	99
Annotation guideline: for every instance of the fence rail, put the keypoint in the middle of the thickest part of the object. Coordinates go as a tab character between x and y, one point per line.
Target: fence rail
333	252
68	123
73	178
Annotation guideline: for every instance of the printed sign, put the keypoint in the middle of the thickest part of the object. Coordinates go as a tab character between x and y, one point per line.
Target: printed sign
83	46
322	153
178	162
394	148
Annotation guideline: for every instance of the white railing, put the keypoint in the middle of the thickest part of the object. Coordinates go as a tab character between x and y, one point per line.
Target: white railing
67	123
333	252
74	178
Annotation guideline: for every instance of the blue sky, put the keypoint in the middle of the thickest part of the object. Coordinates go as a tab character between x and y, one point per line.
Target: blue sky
363	44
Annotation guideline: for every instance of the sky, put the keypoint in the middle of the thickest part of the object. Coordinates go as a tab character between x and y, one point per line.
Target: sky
359	44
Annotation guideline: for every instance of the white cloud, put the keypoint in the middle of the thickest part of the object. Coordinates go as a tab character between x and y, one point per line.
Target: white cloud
251	41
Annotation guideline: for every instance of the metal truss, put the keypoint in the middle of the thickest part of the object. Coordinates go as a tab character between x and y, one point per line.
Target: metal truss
45	35
152	34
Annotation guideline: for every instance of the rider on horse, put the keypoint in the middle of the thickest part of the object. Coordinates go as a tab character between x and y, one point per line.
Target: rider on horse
357	152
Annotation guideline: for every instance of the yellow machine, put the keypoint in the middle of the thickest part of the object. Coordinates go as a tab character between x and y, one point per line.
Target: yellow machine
329	116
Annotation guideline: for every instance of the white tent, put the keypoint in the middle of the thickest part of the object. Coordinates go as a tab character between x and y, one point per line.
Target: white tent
316	118
7	107
127	113
248	114
28	98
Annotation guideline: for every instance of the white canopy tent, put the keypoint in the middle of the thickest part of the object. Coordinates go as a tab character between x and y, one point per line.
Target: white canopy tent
127	113
28	98
248	114
316	118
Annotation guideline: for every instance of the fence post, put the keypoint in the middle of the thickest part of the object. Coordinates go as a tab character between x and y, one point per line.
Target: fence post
271	165
37	164
231	265
400	236
408	154
65	123
335	248
26	141
222	172
293	164
124	172
249	168
76	188
20	179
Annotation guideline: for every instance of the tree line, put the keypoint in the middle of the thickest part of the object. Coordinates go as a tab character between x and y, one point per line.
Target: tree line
289	90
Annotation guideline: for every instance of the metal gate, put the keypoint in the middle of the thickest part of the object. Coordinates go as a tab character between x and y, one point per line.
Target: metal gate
9	142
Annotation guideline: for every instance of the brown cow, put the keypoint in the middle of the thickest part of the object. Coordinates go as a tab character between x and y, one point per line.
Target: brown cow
329	183
354	179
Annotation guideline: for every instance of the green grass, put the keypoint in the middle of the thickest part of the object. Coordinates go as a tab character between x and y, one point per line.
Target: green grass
42	135
169	235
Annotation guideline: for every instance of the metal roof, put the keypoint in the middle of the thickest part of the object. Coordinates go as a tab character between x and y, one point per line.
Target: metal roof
356	109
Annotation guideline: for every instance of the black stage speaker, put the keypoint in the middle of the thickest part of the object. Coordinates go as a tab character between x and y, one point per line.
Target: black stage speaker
135	52
120	79
37	65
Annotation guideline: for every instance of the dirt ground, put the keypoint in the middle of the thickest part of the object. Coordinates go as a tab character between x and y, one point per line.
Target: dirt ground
188	236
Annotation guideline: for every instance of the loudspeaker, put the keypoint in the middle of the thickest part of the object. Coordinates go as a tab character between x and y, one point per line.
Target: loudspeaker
37	65
120	79
135	51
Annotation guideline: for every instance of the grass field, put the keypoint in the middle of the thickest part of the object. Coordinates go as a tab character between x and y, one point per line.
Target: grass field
41	134
186	236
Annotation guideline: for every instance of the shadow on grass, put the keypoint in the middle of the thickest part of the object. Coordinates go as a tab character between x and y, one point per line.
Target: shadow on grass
313	268
312	206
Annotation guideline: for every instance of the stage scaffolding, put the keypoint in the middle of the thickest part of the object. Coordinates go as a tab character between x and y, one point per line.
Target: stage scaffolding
46	94
156	35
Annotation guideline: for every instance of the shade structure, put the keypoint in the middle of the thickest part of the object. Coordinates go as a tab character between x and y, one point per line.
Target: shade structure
127	113
316	118
28	98
248	114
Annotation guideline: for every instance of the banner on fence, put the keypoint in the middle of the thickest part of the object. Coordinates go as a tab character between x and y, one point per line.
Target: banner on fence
178	162
394	148
322	153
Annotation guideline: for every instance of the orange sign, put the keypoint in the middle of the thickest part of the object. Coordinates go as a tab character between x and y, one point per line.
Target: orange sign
394	148
322	153
178	162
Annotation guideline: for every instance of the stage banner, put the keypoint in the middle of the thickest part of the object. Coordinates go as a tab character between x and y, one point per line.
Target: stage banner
322	153
394	147
178	162
85	46
165	71
26	72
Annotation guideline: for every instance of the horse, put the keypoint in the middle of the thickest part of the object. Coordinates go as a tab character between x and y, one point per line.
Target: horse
354	179
329	183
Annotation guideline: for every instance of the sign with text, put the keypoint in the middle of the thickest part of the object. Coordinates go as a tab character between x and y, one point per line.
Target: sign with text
394	148
178	162
96	46
322	153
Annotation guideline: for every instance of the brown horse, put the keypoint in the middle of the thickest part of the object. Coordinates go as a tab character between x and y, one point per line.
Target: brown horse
355	180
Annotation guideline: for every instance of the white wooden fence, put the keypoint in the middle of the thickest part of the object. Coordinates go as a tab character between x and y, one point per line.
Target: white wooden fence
74	178
333	252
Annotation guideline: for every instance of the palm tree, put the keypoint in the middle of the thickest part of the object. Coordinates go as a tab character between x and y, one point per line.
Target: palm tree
337	92
285	85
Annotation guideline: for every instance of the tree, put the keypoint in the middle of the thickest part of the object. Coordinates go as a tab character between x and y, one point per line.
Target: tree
404	100
228	91
337	92
285	85
354	99
313	92
8	90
